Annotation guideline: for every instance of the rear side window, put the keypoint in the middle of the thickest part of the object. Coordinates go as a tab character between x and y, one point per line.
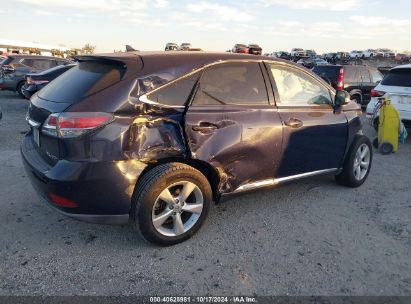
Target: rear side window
365	75
232	84
81	81
398	78
351	74
176	93
376	75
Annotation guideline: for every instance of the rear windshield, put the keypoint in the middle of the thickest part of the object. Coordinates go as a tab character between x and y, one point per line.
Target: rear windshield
328	72
398	78
83	80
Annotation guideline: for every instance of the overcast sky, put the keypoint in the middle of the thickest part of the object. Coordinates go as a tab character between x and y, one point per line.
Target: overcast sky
212	25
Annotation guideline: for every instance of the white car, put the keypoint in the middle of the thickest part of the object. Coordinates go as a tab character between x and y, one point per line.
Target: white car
298	53
355	54
396	86
370	53
386	53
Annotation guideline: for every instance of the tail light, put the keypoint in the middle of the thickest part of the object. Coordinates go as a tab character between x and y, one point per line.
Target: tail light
340	84
72	124
375	93
30	80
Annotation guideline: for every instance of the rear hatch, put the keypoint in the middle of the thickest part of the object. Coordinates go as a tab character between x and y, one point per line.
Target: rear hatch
397	85
88	80
328	73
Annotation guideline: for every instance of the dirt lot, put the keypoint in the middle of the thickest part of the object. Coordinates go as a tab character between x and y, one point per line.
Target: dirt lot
310	237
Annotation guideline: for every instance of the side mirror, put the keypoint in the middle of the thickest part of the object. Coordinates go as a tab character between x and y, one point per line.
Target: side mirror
341	98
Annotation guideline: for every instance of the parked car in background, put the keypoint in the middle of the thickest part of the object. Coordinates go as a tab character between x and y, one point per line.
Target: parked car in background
185	46
355	54
386	53
240	48
297	53
171	46
401	58
36	81
343	55
396	86
330	57
370	53
14	68
163	154
282	55
254	49
309	63
311	53
358	80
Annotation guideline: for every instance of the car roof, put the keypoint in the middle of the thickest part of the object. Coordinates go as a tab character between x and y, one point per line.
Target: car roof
16	56
179	63
176	58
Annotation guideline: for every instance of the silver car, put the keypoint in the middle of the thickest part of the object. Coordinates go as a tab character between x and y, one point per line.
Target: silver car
14	68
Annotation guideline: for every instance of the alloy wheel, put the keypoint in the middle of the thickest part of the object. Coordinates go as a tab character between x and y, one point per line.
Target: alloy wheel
177	209
362	162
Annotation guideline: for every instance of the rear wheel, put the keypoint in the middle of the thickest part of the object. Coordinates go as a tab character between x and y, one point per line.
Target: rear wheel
171	203
19	89
357	163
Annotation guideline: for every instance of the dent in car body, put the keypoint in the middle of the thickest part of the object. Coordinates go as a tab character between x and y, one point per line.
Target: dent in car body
245	147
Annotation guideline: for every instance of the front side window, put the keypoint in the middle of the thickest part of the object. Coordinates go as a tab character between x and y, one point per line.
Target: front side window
232	84
297	88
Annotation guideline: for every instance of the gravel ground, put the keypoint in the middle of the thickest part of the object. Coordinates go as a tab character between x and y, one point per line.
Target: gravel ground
310	237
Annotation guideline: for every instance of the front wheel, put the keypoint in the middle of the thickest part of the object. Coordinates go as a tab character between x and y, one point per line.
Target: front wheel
357	164
171	203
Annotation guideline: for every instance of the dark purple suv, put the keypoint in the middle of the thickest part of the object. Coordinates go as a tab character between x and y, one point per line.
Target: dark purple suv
155	138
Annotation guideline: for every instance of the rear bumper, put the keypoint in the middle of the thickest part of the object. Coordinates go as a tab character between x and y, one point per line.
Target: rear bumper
101	191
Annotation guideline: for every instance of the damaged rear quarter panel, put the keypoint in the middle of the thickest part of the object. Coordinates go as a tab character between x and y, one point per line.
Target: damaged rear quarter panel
157	134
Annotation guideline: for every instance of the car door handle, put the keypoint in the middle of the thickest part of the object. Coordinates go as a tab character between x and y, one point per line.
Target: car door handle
205	126
294	123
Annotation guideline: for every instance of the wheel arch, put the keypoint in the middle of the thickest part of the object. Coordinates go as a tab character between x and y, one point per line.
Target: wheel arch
356	92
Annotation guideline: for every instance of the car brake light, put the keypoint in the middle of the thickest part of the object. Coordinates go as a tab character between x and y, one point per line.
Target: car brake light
340	84
375	93
72	124
62	201
30	80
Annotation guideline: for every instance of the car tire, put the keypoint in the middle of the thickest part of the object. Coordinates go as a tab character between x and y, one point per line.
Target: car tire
357	164
19	89
161	213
